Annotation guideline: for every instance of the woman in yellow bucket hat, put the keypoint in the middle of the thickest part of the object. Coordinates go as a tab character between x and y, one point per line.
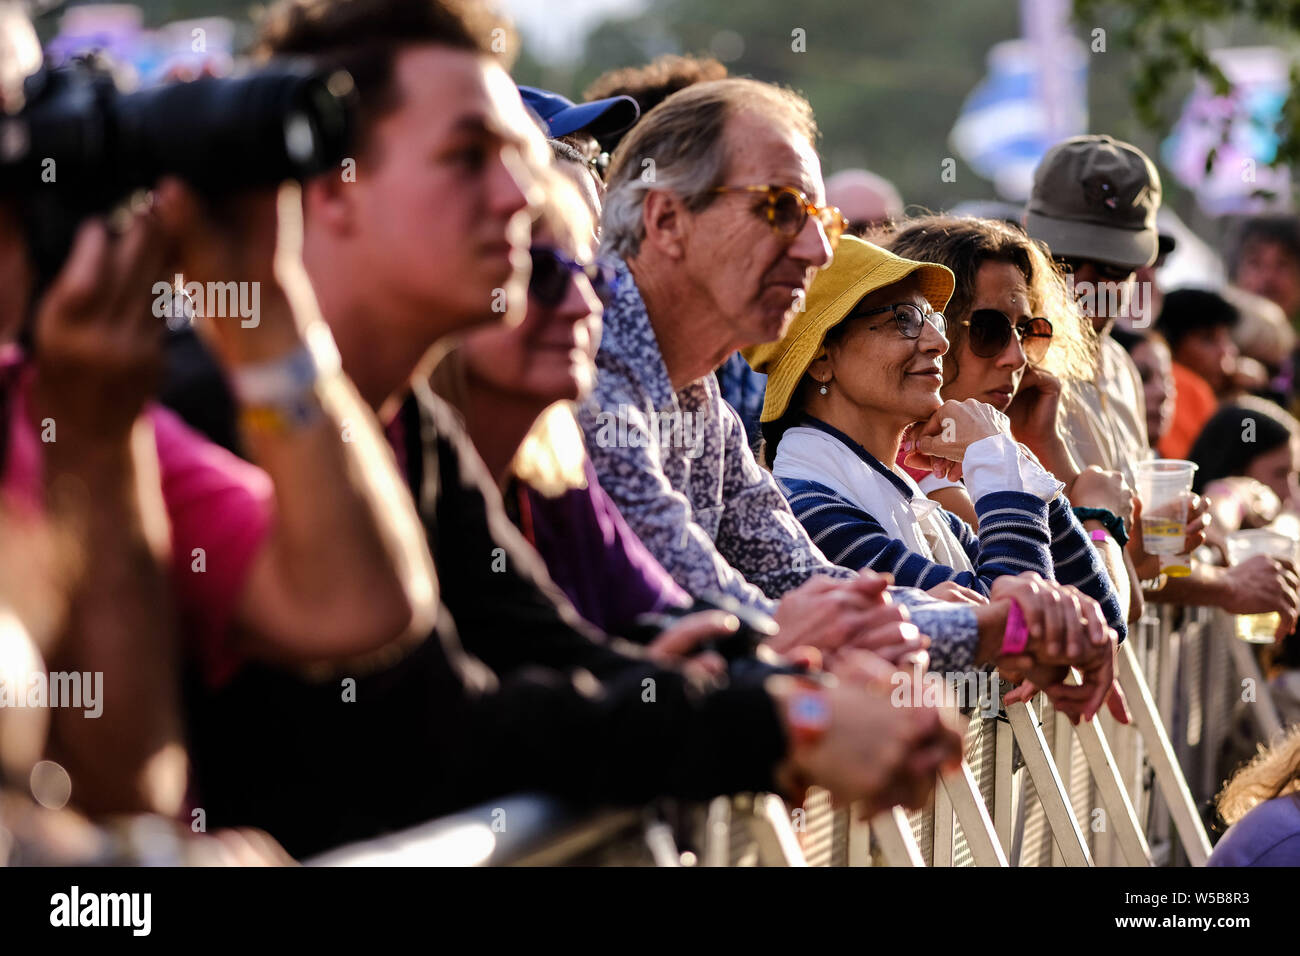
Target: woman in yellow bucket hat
858	368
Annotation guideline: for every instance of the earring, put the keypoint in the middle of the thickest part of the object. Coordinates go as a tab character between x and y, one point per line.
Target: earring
824	390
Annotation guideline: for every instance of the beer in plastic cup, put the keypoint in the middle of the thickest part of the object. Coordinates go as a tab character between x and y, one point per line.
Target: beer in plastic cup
1165	485
1258	628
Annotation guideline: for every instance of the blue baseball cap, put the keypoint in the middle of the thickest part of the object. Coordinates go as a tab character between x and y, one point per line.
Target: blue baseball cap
600	118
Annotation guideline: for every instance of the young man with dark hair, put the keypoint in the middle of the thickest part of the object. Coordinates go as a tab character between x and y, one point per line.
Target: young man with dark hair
1197	324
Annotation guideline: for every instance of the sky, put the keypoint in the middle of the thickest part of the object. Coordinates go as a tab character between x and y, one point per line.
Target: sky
553	28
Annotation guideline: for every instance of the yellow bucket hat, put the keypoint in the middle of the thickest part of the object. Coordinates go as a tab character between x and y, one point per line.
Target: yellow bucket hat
858	268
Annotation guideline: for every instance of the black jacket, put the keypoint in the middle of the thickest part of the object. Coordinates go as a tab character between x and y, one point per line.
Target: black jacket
511	692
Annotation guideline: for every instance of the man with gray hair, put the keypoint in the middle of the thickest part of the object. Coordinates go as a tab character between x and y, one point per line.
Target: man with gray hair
716	217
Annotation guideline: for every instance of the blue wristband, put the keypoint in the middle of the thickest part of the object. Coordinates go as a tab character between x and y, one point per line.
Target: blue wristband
1109	520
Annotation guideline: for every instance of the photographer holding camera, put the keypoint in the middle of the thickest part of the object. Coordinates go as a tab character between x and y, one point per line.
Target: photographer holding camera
314	557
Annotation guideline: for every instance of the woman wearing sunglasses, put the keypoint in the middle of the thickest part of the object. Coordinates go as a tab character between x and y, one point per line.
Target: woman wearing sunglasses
860	366
515	387
1015	342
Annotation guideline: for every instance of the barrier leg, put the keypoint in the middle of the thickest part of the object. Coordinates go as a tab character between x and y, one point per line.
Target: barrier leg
860	834
777	843
1169	775
1264	712
1063	753
1119	809
661	844
963	796
943	825
717	832
1004	818
1047	783
1165	685
894	835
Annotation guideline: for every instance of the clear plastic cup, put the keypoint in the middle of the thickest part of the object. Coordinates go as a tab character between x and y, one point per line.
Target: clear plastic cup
1242	545
1165	486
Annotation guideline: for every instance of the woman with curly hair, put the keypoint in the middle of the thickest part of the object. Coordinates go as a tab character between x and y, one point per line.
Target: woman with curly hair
1016	339
1016	342
1261	804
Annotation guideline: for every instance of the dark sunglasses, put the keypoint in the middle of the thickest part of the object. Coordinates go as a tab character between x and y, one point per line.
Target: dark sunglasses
787	210
909	319
553	271
1106	272
990	333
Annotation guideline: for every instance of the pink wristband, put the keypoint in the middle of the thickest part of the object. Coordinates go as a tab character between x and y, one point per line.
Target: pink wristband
1098	534
1016	638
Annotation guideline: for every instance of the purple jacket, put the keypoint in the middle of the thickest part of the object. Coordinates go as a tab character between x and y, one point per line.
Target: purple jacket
593	556
1269	835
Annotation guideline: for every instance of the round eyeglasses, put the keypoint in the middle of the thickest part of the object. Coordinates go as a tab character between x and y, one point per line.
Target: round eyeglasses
909	319
787	210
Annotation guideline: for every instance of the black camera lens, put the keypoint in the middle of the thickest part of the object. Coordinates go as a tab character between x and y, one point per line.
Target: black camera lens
223	135
79	147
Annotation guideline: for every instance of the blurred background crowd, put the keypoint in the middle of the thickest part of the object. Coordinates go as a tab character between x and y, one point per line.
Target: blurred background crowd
635	398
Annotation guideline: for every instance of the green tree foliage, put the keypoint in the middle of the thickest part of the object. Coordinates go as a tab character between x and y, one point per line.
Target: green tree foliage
1172	40
886	79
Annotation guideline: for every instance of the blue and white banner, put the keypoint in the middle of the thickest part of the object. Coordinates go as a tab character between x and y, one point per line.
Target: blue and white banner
1034	95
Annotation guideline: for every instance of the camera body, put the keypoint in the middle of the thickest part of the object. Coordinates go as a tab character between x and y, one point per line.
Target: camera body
79	146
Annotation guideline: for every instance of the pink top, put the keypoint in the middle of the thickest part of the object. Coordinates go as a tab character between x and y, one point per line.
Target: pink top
916	473
215	501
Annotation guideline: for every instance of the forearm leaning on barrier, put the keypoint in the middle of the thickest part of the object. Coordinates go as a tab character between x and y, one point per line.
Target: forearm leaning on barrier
129	757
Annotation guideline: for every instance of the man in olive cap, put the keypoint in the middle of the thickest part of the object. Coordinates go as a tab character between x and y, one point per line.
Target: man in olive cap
1094	204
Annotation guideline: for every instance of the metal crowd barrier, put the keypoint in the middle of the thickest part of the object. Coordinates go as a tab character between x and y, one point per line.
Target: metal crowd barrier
1033	790
521	830
539	830
1036	791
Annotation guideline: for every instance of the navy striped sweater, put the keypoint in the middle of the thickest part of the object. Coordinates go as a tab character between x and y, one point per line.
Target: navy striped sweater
1018	532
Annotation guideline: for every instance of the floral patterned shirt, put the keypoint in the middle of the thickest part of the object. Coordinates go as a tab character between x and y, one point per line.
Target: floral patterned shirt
678	466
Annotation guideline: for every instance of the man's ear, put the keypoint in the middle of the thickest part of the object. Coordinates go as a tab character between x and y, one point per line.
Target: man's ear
666	220
330	202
